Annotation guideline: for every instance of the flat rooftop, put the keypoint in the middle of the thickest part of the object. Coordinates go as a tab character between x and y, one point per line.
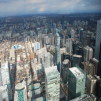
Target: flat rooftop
20	86
76	72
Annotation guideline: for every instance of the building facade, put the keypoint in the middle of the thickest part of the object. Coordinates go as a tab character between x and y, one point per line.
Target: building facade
76	83
98	40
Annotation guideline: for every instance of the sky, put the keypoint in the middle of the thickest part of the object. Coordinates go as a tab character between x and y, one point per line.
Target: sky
20	7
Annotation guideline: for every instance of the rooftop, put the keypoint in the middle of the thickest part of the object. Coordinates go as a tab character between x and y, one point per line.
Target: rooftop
78	56
76	72
20	86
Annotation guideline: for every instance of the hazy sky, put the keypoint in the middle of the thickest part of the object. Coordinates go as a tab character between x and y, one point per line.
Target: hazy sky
16	7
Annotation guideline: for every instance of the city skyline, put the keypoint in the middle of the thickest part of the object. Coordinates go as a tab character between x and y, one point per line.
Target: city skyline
20	7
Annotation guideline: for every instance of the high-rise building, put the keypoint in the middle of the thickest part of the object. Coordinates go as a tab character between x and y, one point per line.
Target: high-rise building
91	84
46	31
4	93
57	50
94	66
77	60
88	53
76	83
20	92
0	78
46	40
98	40
85	97
52	84
98	88
69	45
90	68
5	75
81	34
72	33
65	70
47	60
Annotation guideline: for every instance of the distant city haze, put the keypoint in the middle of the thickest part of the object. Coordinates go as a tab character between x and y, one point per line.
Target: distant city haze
20	7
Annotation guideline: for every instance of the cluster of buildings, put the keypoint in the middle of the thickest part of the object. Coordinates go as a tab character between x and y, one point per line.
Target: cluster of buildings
53	62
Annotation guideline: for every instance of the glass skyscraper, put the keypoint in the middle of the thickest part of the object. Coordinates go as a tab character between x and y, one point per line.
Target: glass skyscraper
57	50
98	40
76	83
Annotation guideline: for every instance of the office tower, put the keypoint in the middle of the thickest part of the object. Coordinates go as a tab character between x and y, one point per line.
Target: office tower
77	60
91	84
65	70
76	83
66	63
20	92
99	66
91	67
46	40
36	46
39	31
35	91
52	40
79	50
100	53
98	40
85	97
74	47
72	33
98	88
4	93
51	59
54	28
94	65
57	50
5	75
52	84
47	60
46	31
12	76
0	78
69	45
88	53
81	34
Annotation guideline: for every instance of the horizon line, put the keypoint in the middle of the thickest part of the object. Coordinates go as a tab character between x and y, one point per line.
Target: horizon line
47	13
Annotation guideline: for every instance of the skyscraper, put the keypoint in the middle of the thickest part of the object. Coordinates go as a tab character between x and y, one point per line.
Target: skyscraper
91	84
57	50
5	75
20	92
76	83
81	34
72	33
88	53
47	60
69	45
52	83
77	60
91	67
65	70
98	40
85	97
4	93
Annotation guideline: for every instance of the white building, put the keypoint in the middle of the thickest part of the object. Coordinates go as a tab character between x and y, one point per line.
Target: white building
4	93
5	75
52	84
